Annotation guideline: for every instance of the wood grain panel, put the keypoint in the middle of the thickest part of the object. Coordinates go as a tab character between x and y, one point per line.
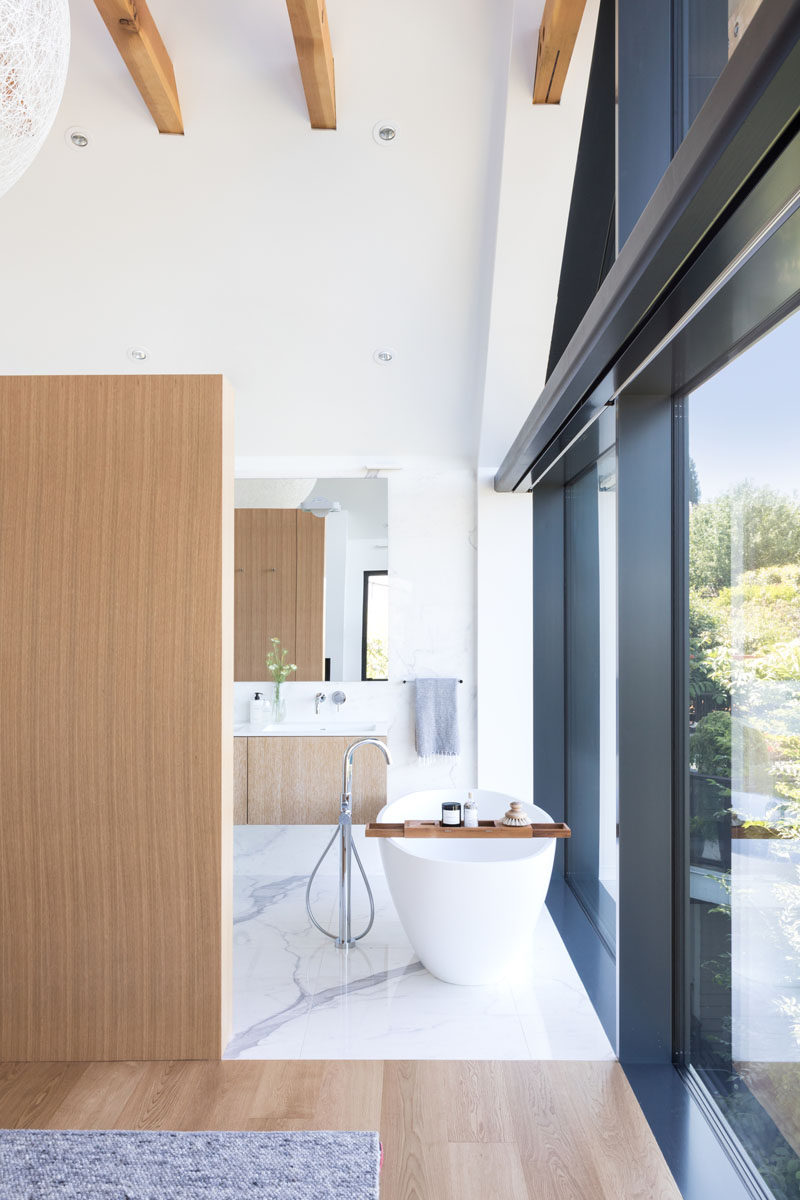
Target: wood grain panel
310	632
593	1104
558	32
312	40
550	1147
293	780
115	755
449	1129
266	587
276	582
240	781
244	594
137	38
298	780
228	460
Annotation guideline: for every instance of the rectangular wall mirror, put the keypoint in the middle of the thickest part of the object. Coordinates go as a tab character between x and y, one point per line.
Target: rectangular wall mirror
312	561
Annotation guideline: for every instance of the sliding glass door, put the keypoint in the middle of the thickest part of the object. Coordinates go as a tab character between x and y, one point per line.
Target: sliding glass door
743	749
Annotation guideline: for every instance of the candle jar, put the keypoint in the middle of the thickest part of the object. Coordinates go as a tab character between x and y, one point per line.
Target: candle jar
451	812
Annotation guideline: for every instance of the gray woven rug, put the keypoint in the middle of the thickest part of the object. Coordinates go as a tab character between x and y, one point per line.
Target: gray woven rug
43	1164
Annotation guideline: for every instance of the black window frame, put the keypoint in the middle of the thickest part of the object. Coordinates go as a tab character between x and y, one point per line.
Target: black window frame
725	202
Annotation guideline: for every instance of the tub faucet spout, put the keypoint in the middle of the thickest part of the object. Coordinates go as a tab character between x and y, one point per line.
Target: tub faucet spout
347	768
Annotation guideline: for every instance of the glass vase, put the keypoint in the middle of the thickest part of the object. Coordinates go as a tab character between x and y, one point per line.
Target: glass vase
278	705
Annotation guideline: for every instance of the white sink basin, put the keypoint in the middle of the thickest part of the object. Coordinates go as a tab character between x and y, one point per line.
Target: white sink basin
341	728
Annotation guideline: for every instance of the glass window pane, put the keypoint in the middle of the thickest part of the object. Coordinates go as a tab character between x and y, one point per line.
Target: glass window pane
744	749
375	648
591	691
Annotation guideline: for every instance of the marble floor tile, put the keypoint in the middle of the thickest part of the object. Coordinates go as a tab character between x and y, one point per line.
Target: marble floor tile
297	996
346	1034
280	849
265	1039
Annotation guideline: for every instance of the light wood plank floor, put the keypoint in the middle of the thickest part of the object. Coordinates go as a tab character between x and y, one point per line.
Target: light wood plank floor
450	1130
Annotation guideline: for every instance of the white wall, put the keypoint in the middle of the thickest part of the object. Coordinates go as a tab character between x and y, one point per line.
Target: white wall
539	155
432	572
505	641
540	149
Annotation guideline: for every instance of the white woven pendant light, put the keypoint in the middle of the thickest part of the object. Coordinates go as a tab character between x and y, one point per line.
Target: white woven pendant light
34	51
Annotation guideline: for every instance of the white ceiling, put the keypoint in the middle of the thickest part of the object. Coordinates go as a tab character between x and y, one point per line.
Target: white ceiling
259	248
366	502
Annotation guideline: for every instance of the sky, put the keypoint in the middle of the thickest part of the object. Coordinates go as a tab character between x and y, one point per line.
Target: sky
745	422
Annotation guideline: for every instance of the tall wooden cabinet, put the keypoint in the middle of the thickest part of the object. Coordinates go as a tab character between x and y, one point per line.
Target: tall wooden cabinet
279	573
116	654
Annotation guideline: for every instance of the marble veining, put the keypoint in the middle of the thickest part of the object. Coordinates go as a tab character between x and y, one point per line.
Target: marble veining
297	996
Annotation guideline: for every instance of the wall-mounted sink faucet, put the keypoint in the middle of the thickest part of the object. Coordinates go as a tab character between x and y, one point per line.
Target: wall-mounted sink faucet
318	699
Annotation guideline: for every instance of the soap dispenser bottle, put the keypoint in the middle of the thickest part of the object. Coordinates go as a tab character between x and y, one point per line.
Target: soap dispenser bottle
258	709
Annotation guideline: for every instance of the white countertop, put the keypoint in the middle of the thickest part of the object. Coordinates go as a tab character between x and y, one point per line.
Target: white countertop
320	728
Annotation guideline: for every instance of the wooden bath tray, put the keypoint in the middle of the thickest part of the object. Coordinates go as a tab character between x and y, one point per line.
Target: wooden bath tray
435	829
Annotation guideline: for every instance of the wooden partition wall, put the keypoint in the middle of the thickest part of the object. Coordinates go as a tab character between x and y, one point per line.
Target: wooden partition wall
116	661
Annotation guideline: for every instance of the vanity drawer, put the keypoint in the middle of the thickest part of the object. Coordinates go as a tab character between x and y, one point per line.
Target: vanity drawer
298	780
240	780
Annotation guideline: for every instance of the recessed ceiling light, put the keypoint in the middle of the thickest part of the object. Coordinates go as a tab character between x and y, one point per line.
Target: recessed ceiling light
384	131
77	138
138	354
383	356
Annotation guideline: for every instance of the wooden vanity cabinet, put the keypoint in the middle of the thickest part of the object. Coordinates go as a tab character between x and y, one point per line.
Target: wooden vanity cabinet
240	780
298	780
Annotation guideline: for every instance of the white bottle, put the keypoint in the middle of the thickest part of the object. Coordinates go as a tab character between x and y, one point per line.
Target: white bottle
470	813
258	710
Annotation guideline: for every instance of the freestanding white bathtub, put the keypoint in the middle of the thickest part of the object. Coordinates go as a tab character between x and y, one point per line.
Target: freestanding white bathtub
468	906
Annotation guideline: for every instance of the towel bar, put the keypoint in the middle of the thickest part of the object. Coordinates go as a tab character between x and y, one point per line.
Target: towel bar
429	829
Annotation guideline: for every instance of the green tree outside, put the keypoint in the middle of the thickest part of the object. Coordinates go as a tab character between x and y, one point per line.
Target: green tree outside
765	522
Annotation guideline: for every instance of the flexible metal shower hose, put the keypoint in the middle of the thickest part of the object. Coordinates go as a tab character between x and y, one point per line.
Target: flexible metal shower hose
311	877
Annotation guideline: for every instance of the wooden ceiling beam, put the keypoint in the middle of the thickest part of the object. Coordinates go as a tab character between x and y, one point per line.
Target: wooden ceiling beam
137	38
312	42
561	21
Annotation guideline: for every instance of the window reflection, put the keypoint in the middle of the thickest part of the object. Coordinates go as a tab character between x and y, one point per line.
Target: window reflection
375	626
744	749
